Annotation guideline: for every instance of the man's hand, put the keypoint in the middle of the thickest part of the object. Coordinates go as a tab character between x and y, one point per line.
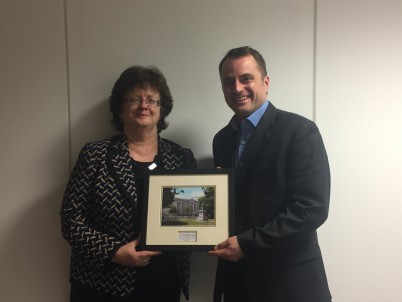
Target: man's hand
127	255
228	249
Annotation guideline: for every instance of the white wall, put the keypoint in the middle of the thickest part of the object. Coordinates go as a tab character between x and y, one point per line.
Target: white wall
337	61
359	110
34	150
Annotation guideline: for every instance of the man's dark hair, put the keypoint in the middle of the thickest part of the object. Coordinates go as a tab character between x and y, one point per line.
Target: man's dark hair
243	51
140	76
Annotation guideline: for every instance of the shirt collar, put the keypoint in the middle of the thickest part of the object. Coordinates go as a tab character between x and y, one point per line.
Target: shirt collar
254	118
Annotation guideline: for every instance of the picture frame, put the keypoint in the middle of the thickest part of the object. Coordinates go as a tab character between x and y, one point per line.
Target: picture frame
187	209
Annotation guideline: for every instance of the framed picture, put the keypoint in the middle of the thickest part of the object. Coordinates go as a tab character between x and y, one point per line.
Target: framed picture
187	209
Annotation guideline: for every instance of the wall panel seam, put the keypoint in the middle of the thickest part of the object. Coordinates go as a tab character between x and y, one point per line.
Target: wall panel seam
68	85
315	62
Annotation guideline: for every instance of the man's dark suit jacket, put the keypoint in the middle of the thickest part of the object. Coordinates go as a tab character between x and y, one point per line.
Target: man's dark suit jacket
282	196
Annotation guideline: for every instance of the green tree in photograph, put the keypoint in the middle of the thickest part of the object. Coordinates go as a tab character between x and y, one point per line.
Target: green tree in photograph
208	201
168	196
173	209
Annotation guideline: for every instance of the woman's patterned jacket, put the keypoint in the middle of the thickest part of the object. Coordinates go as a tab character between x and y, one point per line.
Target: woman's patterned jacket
100	209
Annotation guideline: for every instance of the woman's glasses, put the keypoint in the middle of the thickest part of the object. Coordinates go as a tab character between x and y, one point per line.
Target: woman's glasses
137	101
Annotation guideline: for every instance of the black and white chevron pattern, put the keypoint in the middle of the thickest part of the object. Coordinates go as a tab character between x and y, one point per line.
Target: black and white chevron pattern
99	212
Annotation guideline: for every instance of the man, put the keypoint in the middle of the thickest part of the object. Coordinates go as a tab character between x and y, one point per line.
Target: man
282	189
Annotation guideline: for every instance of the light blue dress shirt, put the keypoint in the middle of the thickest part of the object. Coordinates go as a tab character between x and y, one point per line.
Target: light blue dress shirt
247	127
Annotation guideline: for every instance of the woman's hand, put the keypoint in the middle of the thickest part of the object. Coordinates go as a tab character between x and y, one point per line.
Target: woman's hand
128	255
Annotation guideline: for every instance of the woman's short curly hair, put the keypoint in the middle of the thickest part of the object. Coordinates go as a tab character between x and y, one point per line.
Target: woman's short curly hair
140	76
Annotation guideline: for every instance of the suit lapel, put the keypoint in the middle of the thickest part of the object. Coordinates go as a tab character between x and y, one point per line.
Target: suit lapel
255	145
120	166
225	152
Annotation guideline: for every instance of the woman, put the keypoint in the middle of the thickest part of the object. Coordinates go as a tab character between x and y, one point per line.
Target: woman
100	213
